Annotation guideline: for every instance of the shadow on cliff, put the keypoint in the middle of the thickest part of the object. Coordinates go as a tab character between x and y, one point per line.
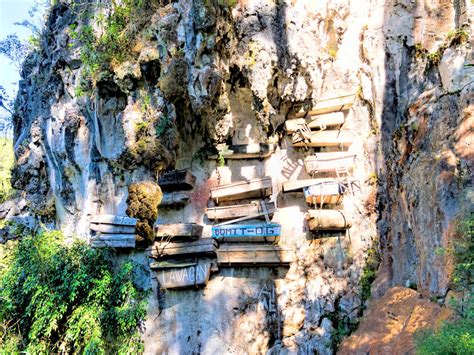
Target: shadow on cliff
421	189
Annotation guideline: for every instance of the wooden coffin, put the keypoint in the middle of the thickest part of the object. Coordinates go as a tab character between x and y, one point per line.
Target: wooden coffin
265	232
296	185
177	180
112	229
244	151
113	219
253	255
190	275
316	122
198	247
175	198
326	105
324	139
330	192
242	210
113	241
329	162
178	231
327	220
261	187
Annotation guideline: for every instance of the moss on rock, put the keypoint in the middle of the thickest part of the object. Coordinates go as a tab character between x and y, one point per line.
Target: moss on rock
142	202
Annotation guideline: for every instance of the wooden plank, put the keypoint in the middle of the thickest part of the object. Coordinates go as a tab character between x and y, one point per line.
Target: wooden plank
300	184
261	187
327	220
175	278
329	161
316	122
175	198
178	231
112	228
113	219
253	255
262	232
325	139
113	240
244	151
177	180
236	211
326	105
201	246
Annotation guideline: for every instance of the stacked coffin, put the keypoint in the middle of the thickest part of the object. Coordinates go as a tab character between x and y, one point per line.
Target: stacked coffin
331	171
236	205
112	231
243	151
175	186
180	257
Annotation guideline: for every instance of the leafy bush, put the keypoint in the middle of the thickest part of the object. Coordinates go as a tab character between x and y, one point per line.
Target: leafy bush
6	164
67	298
456	337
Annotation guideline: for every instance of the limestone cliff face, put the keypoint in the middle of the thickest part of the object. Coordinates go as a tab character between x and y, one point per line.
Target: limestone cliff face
204	72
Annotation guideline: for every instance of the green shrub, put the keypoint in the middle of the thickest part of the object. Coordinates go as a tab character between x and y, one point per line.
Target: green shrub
58	297
6	164
456	337
451	338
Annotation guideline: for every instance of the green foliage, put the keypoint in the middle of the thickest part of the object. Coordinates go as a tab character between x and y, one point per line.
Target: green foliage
369	272
7	160
463	251
456	337
220	160
451	338
114	39
67	298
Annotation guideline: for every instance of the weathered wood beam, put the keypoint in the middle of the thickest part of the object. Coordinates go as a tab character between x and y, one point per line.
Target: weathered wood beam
261	187
113	240
325	139
300	184
316	122
178	231
113	219
329	161
112	228
236	211
200	246
253	255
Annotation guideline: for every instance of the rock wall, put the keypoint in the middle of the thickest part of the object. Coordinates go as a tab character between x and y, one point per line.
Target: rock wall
205	72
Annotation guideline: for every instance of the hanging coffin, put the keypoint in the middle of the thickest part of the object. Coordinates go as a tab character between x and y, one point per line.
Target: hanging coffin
175	198
241	210
329	162
247	232
253	255
244	151
330	192
177	180
323	139
261	187
327	220
182	275
178	231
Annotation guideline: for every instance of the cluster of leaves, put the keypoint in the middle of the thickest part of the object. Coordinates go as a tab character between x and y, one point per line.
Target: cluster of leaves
106	42
369	273
6	164
456	337
454	37
67	298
